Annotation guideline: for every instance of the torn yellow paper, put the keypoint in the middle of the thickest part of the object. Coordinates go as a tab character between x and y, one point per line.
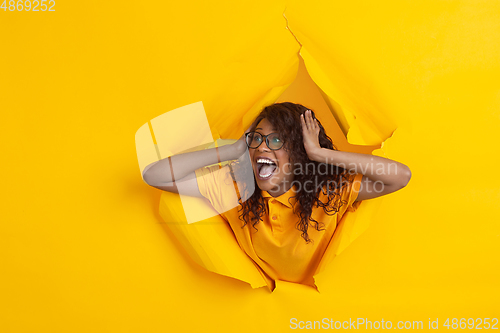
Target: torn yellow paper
210	241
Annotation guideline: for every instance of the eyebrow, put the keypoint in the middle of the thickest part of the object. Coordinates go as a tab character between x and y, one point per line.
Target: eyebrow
258	128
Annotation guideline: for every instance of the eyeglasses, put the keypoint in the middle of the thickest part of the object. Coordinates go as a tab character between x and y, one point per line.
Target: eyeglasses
255	139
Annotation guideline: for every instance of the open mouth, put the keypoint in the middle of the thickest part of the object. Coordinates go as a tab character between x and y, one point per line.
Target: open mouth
265	168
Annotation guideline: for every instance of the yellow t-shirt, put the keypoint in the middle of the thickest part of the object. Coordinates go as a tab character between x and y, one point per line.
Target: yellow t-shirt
276	247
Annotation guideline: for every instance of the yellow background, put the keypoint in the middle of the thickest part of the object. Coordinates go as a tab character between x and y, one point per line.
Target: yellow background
82	246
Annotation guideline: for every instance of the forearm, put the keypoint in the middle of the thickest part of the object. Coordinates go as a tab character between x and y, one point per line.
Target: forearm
374	167
179	166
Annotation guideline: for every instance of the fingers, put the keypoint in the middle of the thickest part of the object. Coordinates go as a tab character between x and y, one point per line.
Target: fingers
248	129
308	121
305	121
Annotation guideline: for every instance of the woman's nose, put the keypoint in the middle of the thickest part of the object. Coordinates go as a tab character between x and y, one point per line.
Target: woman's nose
263	147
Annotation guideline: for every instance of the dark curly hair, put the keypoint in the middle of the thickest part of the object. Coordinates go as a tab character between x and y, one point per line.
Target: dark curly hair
285	118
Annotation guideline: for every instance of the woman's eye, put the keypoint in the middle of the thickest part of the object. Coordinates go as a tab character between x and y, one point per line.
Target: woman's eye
276	140
257	139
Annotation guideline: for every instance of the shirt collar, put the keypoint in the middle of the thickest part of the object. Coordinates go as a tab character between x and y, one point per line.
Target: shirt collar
284	197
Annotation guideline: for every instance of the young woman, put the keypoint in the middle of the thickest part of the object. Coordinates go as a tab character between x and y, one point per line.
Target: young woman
300	188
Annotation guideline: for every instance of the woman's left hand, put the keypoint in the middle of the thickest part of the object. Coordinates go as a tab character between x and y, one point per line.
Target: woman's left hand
310	132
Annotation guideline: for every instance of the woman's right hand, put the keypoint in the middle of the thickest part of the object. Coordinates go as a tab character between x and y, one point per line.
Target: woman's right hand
240	147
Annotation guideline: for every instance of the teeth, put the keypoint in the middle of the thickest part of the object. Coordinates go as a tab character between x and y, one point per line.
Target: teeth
263	160
264	176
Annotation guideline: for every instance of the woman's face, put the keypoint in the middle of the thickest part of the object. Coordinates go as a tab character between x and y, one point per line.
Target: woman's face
275	176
